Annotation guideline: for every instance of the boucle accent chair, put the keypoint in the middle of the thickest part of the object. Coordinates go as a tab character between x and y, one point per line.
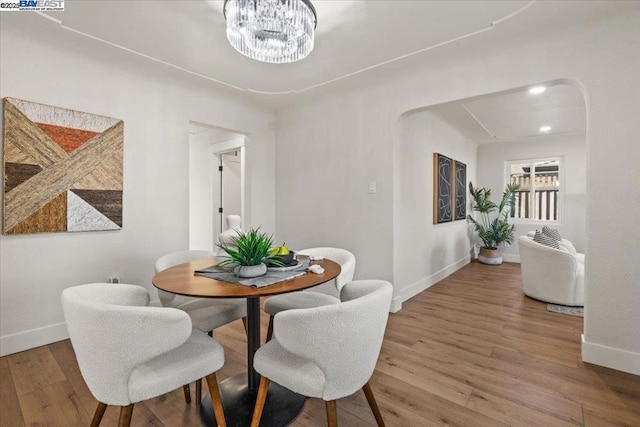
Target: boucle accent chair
551	275
206	314
325	294
129	352
564	243
327	352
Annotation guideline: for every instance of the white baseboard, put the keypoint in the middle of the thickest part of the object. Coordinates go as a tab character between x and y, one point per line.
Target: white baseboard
32	338
610	357
37	337
423	284
396	305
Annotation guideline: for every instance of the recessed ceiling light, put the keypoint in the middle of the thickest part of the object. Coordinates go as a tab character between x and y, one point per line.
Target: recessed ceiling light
536	90
545	128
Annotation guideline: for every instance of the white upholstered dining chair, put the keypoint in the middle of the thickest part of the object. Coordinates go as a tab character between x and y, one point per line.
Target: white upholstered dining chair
206	314
327	352
129	352
325	294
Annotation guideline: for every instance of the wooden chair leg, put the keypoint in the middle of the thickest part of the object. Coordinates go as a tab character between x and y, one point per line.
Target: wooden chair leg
97	417
270	329
246	328
373	404
216	401
260	399
125	416
332	413
199	392
187	393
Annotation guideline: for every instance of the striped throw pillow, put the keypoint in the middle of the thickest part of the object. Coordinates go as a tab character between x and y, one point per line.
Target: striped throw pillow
552	232
543	239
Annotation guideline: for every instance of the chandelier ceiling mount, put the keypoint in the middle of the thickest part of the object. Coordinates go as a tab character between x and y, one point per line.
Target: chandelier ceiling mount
274	31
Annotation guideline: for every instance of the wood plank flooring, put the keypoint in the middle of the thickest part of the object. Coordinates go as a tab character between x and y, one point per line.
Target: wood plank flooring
470	351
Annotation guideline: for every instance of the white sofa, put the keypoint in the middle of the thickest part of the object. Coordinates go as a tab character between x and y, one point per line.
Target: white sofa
552	275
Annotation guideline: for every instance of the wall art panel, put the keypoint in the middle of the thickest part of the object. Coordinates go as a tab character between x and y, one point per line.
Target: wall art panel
62	169
442	188
449	189
460	190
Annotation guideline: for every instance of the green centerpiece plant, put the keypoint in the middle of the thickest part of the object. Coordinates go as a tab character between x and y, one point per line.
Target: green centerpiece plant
492	226
249	253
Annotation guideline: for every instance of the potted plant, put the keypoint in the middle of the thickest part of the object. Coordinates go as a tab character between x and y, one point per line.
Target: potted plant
492	231
248	253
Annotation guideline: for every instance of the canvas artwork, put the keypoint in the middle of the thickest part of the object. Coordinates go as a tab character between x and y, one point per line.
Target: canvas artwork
449	189
443	188
460	191
62	169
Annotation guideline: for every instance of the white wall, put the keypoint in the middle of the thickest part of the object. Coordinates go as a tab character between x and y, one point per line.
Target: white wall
42	63
329	146
201	175
436	250
327	153
492	159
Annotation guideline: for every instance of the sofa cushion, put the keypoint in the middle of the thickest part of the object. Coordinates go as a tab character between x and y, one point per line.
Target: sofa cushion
543	239
551	232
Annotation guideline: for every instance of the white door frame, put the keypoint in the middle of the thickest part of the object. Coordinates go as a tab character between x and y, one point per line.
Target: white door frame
204	183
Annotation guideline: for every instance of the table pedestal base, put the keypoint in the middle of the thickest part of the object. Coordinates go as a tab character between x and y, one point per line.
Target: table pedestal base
281	408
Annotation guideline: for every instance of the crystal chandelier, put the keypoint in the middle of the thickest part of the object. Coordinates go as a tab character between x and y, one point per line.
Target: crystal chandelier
275	31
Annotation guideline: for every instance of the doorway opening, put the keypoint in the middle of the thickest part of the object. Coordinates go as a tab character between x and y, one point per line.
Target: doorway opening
216	182
229	201
539	129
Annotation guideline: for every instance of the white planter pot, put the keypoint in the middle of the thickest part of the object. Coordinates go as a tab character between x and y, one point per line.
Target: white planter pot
248	271
490	256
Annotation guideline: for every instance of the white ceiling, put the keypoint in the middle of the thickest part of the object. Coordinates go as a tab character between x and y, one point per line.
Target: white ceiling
517	114
352	38
351	35
521	114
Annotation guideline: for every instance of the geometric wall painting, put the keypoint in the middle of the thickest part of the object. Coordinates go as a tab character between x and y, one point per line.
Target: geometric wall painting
62	169
81	216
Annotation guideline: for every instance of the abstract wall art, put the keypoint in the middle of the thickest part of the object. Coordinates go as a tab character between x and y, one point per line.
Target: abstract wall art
442	188
460	190
62	169
449	189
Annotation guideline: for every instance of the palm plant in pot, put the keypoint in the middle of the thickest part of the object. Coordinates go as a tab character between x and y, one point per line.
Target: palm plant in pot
492	230
248	253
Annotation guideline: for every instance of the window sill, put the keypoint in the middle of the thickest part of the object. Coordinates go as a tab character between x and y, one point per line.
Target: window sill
537	222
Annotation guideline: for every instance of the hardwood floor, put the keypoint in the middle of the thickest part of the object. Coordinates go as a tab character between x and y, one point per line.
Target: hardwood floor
470	351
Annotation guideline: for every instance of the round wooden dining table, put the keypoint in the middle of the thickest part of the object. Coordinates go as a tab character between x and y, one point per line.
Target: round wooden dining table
239	392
